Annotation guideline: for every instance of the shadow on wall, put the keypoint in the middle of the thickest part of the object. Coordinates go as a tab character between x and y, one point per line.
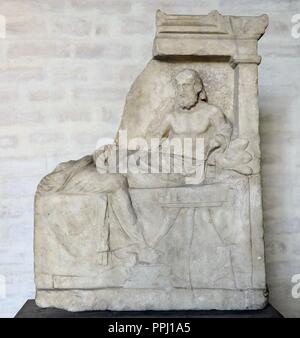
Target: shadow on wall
279	182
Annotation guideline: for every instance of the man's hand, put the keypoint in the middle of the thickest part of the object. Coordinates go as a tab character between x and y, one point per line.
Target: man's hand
218	142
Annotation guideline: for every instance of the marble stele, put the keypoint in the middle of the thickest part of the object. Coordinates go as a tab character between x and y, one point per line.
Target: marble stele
166	241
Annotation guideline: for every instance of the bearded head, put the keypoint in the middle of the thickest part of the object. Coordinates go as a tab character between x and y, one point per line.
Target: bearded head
189	88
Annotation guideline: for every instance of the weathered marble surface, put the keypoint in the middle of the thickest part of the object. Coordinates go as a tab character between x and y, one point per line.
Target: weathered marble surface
135	242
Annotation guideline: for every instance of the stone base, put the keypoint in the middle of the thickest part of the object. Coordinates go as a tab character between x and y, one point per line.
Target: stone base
31	310
195	256
118	299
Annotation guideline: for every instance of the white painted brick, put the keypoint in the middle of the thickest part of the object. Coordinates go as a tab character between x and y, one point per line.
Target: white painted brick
130	72
100	93
15	166
71	113
86	138
46	138
19	186
256	6
8	141
8	95
101	29
137	26
46	94
25	27
103	7
70	26
21	74
100	50
103	71
288	48
88	50
110	114
19	114
42	49
8	208
29	7
174	6
61	72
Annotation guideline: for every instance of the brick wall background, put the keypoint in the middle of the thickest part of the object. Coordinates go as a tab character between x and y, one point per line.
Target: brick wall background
65	69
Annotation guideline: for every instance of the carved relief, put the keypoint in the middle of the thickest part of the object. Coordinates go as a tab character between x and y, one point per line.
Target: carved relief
187	233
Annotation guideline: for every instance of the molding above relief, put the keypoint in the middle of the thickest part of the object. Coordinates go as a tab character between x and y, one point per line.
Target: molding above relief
213	23
202	35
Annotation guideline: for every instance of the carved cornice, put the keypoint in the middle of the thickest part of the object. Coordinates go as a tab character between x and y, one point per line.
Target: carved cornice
208	35
213	24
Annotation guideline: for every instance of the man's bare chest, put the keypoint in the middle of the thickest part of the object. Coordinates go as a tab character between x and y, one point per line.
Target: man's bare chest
189	124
